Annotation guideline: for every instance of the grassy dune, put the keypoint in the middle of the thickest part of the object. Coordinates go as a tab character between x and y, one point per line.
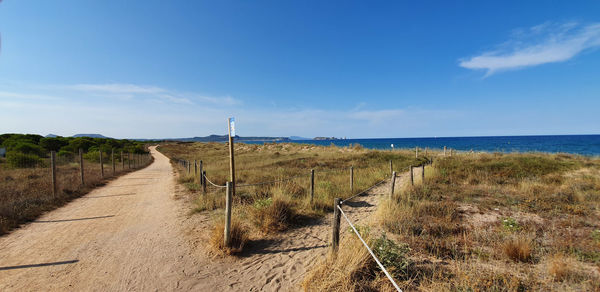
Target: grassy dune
273	208
489	222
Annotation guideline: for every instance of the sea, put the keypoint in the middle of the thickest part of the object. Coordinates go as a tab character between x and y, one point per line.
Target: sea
588	145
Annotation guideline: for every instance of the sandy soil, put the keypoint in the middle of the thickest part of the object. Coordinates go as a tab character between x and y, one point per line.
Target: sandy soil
134	234
280	263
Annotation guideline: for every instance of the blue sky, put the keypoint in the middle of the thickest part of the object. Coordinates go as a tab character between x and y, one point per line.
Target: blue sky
152	69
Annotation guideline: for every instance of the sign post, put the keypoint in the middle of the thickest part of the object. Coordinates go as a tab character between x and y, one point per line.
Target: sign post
231	127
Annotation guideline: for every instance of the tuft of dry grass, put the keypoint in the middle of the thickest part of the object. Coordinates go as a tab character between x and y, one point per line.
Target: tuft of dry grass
518	248
273	214
239	237
561	268
352	269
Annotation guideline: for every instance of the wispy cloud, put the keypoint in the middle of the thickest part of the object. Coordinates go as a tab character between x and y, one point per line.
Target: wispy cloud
541	44
131	91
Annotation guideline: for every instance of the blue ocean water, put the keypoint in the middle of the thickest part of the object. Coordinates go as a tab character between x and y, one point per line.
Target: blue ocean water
576	144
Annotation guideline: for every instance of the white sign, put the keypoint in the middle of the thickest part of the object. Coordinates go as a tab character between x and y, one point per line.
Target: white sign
232	127
392	145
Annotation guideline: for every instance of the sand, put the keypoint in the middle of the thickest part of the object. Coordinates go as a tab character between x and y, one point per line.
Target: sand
134	234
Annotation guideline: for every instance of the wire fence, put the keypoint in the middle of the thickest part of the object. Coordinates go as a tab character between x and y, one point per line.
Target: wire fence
31	185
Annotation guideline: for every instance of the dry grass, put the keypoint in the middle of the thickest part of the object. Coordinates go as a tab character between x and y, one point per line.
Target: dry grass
273	207
26	193
353	269
518	249
239	237
500	222
273	214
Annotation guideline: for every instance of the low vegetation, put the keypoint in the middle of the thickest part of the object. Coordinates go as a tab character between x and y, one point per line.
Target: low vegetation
272	208
500	222
479	221
25	174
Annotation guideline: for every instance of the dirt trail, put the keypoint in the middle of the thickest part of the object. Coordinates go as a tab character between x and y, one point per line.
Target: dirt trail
133	234
280	264
123	236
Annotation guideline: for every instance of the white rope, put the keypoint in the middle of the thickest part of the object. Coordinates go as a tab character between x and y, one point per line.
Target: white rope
218	186
370	251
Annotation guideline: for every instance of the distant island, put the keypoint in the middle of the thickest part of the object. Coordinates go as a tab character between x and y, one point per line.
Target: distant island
327	138
225	138
214	138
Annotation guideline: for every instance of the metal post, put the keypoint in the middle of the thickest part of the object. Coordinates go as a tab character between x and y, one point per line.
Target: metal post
53	167
112	158
227	228
81	165
312	185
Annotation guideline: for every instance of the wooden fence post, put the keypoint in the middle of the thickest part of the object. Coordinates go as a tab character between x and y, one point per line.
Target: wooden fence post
204	179
423	174
201	180
417	152
391	167
426	150
53	167
195	167
122	161
81	165
393	184
444	151
129	159
412	178
352	179
227	234
312	185
335	237
101	165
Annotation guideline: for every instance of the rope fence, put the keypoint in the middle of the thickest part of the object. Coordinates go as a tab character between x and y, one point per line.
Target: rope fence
387	274
338	203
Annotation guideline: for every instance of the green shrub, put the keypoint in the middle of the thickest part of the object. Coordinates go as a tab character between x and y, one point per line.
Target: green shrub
20	160
29	148
92	156
511	224
392	256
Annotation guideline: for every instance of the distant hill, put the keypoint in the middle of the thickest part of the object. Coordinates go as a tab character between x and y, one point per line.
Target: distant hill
90	136
51	136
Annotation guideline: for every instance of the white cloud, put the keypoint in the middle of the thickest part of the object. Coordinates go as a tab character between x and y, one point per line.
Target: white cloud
132	91
541	44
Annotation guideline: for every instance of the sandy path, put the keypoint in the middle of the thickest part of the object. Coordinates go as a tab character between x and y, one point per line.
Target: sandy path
123	236
280	264
133	235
